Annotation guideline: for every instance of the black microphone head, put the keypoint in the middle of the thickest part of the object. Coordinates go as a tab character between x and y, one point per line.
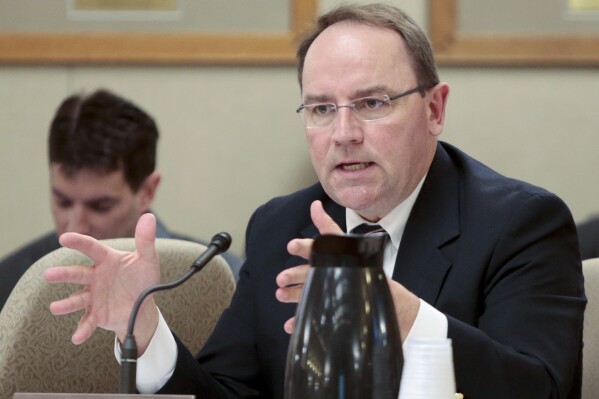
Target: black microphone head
222	240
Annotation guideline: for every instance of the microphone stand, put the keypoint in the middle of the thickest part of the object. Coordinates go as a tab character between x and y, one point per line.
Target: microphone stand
128	374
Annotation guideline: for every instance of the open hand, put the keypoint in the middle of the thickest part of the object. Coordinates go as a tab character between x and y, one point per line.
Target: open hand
111	285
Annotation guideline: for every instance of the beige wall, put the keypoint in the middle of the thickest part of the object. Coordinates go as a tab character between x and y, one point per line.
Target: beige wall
230	139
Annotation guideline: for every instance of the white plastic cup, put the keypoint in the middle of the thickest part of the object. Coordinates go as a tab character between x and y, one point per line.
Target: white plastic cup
428	369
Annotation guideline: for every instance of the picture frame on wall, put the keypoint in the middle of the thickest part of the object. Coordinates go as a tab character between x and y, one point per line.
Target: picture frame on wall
80	32
512	32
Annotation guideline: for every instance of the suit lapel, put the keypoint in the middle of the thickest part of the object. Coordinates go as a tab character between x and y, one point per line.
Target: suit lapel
421	265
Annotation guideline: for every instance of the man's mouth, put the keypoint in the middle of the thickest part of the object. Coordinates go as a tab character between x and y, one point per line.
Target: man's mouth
352	167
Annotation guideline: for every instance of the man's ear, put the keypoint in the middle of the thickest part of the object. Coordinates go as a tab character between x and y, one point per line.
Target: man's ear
437	97
147	190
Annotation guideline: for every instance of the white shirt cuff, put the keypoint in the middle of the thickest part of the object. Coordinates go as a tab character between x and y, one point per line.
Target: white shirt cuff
429	323
157	364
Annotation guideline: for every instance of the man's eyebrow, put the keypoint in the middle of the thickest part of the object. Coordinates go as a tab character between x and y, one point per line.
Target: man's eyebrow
58	193
317	98
88	202
99	200
365	92
369	91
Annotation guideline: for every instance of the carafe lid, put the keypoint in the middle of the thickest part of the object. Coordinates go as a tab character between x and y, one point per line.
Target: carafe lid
348	250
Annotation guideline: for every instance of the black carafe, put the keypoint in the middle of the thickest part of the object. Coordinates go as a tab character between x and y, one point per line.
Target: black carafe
346	342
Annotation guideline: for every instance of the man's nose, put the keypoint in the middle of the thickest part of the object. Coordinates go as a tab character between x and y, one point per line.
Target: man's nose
78	221
347	126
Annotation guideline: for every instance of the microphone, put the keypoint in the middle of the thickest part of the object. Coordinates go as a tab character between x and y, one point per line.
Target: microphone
127	382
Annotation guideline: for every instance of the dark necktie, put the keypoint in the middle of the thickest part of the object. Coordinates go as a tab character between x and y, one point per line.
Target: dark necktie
366	228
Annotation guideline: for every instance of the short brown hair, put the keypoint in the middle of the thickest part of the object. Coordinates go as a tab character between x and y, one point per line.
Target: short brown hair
103	132
384	16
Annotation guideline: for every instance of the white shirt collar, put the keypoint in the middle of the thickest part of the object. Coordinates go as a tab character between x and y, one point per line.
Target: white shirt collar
394	222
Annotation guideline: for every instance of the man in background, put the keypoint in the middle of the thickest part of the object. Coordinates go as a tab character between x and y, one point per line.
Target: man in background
102	160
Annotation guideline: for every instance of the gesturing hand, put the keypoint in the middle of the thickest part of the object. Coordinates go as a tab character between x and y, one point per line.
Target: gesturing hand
111	285
291	281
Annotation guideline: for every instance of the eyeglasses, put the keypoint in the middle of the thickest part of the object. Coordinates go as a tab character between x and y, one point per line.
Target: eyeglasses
368	109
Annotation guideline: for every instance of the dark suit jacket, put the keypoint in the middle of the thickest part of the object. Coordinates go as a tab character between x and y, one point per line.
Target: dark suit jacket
588	237
14	265
499	257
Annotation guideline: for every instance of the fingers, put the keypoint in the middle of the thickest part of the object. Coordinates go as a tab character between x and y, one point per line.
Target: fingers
145	235
300	247
290	294
81	275
86	327
289	326
293	276
77	301
291	284
114	278
323	222
87	245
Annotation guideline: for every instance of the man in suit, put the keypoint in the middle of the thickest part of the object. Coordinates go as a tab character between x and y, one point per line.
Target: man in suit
490	262
102	159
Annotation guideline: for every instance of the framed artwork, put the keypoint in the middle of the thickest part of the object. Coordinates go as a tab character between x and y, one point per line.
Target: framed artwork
152	31
515	32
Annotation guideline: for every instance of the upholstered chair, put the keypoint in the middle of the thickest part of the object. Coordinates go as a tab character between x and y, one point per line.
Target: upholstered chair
36	354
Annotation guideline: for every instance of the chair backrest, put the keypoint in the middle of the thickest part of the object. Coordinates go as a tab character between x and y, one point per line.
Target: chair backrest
590	353
36	354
